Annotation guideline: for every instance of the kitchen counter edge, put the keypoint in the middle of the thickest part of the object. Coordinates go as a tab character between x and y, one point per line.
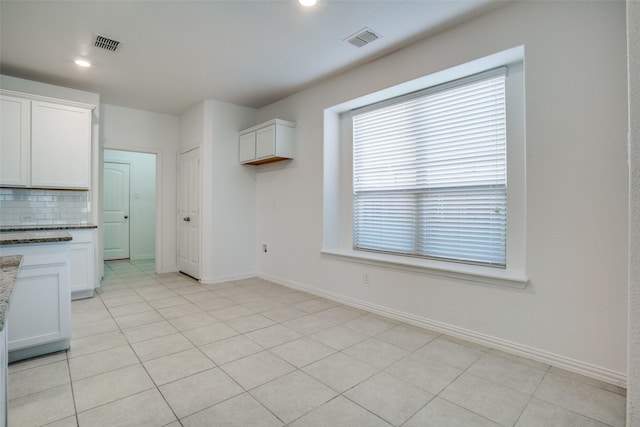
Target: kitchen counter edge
27	238
17	228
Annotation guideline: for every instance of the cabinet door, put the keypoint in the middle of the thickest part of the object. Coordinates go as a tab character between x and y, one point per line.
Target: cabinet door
82	263
14	141
81	267
40	306
266	141
60	146
247	149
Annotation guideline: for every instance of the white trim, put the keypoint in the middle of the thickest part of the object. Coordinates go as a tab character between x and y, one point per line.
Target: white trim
577	366
142	257
458	271
33	97
338	187
227	278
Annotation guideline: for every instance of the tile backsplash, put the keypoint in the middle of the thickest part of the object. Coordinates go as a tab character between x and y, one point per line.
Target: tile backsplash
21	206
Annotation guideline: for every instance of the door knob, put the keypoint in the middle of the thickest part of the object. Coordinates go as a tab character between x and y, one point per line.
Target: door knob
126	216
187	219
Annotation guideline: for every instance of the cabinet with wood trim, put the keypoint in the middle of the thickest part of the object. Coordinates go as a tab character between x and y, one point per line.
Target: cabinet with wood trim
44	142
267	142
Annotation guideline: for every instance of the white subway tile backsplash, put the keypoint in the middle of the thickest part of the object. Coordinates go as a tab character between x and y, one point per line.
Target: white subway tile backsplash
19	206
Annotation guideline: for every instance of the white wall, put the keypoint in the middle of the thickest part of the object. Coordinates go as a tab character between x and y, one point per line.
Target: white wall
227	189
142	200
574	311
231	199
633	49
192	128
144	131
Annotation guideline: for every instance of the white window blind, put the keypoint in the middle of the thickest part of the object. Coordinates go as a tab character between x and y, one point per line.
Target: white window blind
429	173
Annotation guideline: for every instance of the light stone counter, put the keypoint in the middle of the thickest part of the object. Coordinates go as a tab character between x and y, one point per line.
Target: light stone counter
23	238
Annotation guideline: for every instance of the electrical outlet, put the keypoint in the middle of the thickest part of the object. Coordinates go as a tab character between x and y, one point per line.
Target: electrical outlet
366	278
264	247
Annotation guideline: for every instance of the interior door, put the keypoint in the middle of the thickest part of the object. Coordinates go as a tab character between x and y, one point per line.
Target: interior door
116	210
189	213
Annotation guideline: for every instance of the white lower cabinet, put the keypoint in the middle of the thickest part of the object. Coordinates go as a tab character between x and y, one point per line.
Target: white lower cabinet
40	313
82	263
4	376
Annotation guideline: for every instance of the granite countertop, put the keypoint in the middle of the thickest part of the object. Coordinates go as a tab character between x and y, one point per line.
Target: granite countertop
14	228
9	265
24	237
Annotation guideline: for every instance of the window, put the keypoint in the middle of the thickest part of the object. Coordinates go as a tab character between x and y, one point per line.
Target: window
428	176
430	173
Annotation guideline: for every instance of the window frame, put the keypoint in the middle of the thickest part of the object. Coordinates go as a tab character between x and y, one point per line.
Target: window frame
338	179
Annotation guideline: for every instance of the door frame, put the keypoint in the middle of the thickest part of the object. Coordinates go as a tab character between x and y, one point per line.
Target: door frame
159	244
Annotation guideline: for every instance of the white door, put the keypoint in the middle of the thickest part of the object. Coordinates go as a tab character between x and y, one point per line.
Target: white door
189	213
116	210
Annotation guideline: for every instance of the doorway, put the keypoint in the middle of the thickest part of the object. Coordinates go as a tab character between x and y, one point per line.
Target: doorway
116	205
129	205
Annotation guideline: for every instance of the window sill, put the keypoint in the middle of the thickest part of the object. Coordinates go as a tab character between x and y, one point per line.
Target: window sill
465	272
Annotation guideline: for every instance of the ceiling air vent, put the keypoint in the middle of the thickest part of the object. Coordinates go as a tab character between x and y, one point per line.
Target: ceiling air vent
106	43
362	37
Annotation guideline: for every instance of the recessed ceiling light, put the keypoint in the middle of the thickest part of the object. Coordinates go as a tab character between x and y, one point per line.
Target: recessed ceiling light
307	3
83	63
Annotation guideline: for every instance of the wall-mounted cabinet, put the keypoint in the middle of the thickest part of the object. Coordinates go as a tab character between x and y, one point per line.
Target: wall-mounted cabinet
267	142
44	143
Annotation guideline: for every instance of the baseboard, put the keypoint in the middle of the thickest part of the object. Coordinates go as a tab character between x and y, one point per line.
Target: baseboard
82	294
577	366
143	257
227	278
39	350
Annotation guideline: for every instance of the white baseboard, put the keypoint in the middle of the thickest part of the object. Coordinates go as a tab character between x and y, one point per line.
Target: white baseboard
220	279
143	257
577	366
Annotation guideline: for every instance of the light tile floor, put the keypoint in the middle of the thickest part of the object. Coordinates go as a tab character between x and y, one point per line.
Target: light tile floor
164	350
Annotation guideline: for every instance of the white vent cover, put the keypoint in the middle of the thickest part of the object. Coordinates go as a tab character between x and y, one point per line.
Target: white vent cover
362	37
106	43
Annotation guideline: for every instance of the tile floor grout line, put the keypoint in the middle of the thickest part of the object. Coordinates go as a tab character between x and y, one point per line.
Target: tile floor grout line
533	394
73	395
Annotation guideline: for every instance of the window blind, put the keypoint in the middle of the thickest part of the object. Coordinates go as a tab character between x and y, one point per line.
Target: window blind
429	173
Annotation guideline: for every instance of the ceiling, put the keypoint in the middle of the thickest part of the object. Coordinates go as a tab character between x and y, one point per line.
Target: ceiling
174	54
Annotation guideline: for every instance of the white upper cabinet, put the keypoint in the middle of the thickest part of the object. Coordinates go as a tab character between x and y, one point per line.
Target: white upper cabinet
60	146
15	140
267	142
45	143
247	147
